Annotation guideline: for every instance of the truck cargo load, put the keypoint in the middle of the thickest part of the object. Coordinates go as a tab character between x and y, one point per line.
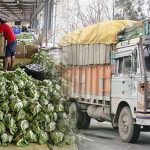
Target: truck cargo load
103	32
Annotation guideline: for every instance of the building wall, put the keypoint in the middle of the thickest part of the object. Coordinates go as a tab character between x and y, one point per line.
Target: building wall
60	16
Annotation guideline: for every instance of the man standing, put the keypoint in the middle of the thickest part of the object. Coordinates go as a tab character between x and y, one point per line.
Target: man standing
9	36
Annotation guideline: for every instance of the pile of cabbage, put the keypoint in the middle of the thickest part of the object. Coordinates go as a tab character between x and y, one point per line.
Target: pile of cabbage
24	36
32	111
25	39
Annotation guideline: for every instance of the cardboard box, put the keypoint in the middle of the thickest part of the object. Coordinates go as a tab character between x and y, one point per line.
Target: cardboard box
30	50
20	51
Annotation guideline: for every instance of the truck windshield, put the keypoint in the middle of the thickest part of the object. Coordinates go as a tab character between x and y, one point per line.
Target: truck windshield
147	57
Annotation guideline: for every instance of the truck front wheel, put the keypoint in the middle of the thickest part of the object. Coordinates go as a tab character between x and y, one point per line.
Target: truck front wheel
129	132
83	120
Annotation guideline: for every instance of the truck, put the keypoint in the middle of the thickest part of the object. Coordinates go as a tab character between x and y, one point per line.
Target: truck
107	68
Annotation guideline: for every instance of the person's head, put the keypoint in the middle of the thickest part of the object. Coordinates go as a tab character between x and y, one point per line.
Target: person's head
2	21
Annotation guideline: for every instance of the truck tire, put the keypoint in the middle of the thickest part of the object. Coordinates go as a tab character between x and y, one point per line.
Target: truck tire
83	120
129	132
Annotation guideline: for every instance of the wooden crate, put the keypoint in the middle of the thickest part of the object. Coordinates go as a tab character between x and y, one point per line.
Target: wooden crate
30	50
20	51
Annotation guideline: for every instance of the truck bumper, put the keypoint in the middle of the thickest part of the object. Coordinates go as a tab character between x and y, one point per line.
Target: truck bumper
143	119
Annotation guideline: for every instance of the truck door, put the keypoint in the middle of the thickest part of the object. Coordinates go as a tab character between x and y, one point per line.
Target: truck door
123	84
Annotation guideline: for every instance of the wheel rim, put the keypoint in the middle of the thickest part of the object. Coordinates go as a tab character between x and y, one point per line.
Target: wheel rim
124	124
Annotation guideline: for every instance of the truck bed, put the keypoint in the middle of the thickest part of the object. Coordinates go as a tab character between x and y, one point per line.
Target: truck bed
89	84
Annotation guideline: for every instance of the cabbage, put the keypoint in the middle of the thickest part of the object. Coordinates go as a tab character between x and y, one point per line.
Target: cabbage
57	137
35	128
46	118
32	93
12	88
2	127
57	87
25	103
69	139
20	84
59	107
31	137
17	136
56	94
5	106
36	95
62	115
50	126
44	92
11	124
62	125
47	83
43	101
12	97
29	117
35	108
42	137
21	115
3	93
43	117
49	108
22	96
16	105
2	97
1	115
22	142
24	125
6	138
54	116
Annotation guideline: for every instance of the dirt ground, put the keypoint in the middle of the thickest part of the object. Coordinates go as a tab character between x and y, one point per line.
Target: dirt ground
38	147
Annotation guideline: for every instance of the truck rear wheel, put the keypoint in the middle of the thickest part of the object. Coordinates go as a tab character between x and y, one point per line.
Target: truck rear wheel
129	132
83	120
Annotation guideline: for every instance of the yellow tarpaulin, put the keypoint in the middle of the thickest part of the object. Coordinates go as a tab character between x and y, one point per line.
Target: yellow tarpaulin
103	32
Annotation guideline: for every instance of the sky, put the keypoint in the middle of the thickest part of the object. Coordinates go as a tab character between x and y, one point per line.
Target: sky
85	3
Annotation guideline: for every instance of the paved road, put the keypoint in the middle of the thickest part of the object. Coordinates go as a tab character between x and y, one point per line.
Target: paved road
101	136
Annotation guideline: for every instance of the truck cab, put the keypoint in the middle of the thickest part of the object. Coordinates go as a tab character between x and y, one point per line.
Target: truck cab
130	95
